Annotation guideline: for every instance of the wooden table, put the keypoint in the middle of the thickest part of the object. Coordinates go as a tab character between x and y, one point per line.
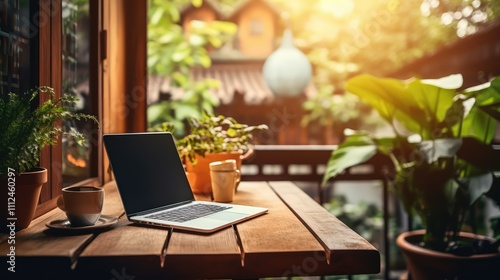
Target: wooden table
296	237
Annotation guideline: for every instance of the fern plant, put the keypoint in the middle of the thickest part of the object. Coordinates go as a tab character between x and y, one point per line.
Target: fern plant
27	128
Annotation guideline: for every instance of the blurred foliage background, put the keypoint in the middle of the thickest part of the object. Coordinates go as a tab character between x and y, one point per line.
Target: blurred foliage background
340	37
172	53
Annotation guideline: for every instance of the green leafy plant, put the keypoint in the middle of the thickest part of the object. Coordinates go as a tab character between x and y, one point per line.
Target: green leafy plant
441	148
216	134
27	128
196	99
173	52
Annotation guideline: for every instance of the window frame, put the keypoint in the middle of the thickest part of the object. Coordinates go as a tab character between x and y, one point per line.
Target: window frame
49	24
118	83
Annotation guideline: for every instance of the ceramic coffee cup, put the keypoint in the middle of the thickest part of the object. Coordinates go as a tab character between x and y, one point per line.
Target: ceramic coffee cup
224	177
82	204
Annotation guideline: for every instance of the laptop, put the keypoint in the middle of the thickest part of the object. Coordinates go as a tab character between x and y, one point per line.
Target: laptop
154	189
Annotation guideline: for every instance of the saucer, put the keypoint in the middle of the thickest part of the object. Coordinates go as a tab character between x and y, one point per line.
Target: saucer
64	225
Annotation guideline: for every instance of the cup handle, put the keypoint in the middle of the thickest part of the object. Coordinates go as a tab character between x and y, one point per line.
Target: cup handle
60	203
248	154
238	177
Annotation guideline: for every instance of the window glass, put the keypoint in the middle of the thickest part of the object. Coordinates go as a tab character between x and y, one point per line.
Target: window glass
15	47
76	161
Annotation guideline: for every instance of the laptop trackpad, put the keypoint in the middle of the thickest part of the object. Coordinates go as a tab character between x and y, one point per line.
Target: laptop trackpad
227	216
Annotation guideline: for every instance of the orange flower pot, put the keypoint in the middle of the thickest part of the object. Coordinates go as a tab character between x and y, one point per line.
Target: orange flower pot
26	192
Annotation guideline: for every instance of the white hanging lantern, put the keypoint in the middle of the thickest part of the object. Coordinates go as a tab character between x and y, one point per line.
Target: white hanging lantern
287	71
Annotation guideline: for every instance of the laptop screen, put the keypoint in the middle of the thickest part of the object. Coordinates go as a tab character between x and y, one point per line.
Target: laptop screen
147	169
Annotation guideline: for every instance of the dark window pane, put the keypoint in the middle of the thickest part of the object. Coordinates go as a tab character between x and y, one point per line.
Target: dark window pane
17	35
75	52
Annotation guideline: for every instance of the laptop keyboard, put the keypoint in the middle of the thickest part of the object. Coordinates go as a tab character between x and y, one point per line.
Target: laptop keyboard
188	213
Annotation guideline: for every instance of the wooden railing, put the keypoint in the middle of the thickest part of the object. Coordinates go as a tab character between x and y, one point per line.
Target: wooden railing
306	163
287	163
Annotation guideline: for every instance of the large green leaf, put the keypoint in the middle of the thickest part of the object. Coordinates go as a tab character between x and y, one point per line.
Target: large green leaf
434	100
477	186
370	91
390	98
453	118
432	150
356	149
479	154
487	97
479	125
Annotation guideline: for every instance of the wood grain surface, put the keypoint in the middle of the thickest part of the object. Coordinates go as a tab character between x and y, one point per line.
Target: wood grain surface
296	237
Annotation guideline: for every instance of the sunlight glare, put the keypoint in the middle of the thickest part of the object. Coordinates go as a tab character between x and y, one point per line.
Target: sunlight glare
337	8
462	24
461	32
479	16
434	3
446	18
425	9
467	11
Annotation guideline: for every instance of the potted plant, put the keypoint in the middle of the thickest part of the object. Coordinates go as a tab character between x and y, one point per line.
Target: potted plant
213	138
25	129
443	163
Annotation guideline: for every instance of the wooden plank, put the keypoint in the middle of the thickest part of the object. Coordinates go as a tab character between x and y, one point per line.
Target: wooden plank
348	252
128	239
39	250
58	250
151	251
138	249
207	251
135	249
275	244
276	238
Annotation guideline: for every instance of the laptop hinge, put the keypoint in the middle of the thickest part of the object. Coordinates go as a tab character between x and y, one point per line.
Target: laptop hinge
160	208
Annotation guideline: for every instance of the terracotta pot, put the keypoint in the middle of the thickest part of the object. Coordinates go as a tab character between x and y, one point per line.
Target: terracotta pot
27	187
428	264
199	174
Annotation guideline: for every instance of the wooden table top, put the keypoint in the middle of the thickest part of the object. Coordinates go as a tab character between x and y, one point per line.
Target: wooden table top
296	237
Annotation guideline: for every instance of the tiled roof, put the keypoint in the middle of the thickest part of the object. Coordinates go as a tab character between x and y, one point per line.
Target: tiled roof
245	78
242	78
